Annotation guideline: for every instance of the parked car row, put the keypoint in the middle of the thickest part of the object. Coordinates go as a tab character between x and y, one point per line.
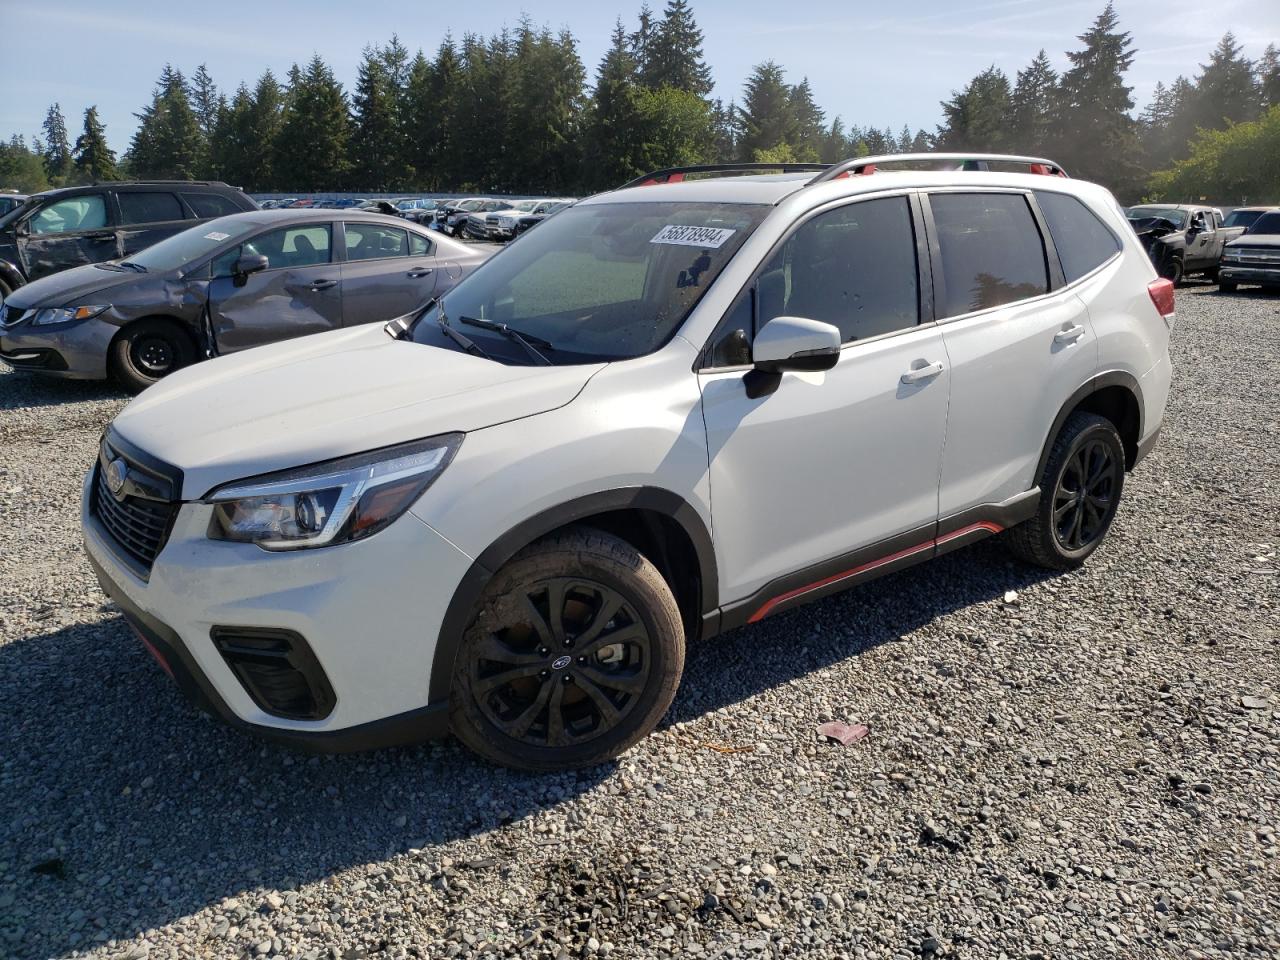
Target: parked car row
1189	239
487	218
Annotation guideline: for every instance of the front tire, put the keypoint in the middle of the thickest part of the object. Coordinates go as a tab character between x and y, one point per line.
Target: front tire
146	351
1227	286
573	655
1172	270
1079	493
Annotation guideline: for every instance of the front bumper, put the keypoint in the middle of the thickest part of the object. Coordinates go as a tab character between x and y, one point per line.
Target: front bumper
370	612
1239	274
76	351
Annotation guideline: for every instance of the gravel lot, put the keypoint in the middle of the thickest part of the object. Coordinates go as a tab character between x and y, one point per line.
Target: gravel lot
1058	766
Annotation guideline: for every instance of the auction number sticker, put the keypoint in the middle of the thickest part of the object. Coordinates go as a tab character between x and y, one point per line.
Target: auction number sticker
217	236
712	237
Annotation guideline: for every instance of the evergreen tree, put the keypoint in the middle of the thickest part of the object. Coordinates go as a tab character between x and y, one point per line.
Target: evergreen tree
548	111
835	145
724	143
445	102
57	147
265	118
642	41
1033	105
676	125
1154	124
1225	90
94	160
905	139
922	143
1096	136
673	55
22	167
231	147
977	117
807	140
168	144
377	155
205	100
311	148
1268	70
767	121
615	150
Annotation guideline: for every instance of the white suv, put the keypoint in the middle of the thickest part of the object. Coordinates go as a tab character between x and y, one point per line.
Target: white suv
675	409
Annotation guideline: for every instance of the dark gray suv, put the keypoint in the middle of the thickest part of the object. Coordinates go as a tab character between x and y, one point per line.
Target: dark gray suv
59	229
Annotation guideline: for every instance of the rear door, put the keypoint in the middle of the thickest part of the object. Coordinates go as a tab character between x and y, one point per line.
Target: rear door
388	272
299	293
147	216
1019	342
69	232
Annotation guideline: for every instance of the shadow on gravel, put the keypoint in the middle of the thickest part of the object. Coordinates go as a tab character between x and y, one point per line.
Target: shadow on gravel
19	390
125	809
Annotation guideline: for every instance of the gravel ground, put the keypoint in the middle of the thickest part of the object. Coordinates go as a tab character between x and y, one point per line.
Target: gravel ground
1066	766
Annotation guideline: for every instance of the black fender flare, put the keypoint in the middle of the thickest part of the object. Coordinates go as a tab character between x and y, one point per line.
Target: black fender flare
1112	378
11	276
467	593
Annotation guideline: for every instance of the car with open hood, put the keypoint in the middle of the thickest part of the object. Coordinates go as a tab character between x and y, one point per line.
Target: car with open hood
230	284
674	409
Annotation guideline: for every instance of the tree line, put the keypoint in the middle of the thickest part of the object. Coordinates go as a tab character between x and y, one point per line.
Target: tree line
514	112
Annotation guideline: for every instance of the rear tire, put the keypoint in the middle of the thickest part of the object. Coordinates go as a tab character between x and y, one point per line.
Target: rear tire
574	655
147	351
1079	493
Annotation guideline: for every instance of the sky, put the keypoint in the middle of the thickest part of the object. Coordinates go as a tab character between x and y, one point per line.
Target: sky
879	65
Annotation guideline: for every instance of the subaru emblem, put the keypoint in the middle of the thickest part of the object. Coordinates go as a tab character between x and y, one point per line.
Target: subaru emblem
117	472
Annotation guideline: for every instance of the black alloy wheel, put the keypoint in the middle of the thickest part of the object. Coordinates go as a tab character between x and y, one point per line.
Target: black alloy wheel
573	655
572	667
153	355
1085	500
148	350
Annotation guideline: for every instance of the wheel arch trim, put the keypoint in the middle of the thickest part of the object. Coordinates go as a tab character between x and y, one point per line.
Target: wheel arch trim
1111	378
493	557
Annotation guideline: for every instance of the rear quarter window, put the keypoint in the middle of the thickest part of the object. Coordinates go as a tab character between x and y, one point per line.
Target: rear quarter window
1083	241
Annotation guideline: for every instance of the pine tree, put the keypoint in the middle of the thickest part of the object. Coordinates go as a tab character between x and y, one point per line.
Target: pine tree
766	119
311	148
168	144
266	114
1033	105
977	117
1225	90
673	57
1097	138
57	148
835	144
1268	71
231	146
205	100
22	167
1154	125
642	41
724	144
377	156
446	103
615	150
905	139
807	140
548	111
94	160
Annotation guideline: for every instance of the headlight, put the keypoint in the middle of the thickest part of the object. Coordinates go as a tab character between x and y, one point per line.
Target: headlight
334	502
67	314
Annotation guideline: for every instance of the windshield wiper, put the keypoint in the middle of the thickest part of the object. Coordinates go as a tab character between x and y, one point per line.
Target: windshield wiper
133	266
466	343
525	340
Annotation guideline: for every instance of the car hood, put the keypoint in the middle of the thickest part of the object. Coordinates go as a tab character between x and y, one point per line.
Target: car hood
1256	240
329	395
70	287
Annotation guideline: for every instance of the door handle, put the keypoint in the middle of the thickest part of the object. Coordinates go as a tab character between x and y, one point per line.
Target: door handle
421	273
1069	334
916	374
323	284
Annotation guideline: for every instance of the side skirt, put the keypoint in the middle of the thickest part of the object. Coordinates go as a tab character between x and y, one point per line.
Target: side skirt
888	556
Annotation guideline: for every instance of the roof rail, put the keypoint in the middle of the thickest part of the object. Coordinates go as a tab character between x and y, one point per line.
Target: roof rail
965	161
183	183
677	174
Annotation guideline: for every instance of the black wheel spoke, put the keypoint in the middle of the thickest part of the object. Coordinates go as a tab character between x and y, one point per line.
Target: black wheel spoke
604	615
608	711
625	682
495	681
492	647
555	608
519	725
556	734
631	633
1060	512
540	626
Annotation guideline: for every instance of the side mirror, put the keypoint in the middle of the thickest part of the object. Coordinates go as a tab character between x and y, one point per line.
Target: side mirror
795	343
252	263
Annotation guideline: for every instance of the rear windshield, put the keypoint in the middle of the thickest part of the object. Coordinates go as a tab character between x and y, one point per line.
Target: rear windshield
598	282
1177	217
174	253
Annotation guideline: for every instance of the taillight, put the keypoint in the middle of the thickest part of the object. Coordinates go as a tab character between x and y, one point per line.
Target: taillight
1162	296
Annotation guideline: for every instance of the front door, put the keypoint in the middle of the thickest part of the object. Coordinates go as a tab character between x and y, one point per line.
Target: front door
148	216
67	233
389	271
299	293
819	470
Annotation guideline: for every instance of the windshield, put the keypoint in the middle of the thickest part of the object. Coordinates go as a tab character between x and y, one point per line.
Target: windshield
9	218
188	246
604	281
1267	223
1177	217
1242	218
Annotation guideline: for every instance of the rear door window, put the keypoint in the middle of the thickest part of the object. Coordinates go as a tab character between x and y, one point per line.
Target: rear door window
419	246
88	212
371	241
992	252
207	205
1082	240
149	207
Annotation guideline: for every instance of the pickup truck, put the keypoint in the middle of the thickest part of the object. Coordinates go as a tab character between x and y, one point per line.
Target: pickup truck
1255	257
1182	239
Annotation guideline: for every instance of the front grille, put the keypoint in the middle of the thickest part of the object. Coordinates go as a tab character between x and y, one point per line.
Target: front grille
139	527
11	315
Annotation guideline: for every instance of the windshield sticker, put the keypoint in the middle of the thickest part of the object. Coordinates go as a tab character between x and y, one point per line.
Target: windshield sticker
709	237
215	235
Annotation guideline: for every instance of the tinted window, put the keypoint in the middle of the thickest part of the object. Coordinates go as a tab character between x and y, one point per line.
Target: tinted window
1269	223
419	246
149	207
1243	218
208	205
369	241
992	253
292	246
1082	241
854	267
74	213
224	264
